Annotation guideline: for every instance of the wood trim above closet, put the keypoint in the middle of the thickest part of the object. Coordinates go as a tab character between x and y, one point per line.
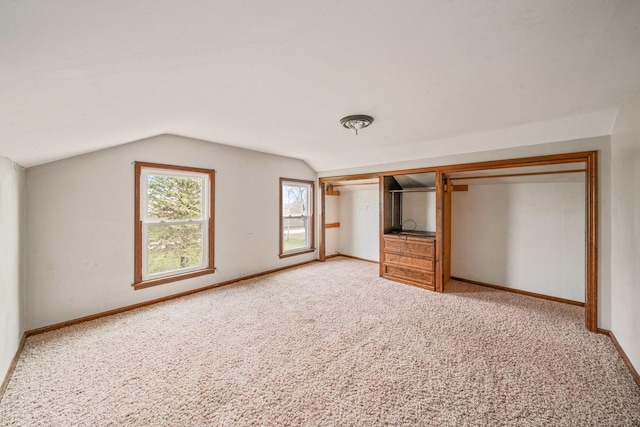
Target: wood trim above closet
331	191
509	175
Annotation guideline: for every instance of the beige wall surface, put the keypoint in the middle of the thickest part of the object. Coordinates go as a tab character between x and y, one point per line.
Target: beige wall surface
360	222
12	190
526	236
625	233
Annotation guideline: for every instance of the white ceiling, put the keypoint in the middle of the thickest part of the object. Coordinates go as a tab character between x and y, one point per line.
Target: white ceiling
276	76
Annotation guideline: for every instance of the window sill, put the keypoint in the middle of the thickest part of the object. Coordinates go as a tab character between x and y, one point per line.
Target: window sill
155	282
300	252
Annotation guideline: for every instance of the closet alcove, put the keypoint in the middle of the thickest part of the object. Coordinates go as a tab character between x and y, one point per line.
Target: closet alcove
526	225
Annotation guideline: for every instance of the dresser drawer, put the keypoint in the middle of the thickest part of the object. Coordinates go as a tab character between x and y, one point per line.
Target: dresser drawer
413	275
400	245
421	261
409	259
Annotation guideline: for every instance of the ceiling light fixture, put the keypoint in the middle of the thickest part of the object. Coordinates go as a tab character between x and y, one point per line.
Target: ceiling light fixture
356	122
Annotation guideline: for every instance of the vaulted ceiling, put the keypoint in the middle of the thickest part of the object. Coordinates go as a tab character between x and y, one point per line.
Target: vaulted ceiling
440	77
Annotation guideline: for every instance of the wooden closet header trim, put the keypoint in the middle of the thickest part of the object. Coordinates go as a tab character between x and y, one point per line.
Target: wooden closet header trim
508	175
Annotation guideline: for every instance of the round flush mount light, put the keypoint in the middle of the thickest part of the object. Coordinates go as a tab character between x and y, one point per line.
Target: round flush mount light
356	122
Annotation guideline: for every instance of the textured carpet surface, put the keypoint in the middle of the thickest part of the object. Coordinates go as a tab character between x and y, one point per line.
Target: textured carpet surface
327	344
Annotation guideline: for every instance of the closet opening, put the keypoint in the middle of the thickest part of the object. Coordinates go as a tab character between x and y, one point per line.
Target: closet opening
349	223
409	229
501	223
520	230
533	221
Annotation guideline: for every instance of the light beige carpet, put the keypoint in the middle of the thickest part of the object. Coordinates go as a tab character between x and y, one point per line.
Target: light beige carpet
324	345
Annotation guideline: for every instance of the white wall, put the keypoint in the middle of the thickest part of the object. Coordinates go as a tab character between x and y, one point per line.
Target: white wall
331	214
625	253
421	208
529	237
360	222
80	224
12	311
602	144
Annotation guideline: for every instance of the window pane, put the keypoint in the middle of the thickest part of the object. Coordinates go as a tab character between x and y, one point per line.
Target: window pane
295	200
174	198
295	234
296	213
174	247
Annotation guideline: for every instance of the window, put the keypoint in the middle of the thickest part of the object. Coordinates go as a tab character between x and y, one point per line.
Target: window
296	217
174	223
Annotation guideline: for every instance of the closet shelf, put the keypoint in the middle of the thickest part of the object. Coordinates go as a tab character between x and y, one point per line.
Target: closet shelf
414	190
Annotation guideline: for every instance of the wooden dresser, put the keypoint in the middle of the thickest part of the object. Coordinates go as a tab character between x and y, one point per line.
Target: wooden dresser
409	258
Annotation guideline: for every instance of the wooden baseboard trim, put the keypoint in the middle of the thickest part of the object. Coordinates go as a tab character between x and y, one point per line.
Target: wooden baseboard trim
353	257
623	356
518	291
157	300
12	365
